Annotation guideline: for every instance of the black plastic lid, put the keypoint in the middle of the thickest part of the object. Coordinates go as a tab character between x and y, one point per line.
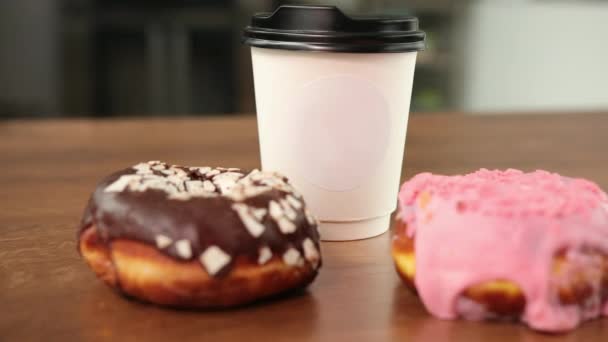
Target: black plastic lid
326	28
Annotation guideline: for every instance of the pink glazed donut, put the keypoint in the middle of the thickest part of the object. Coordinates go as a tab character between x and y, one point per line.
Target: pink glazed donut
505	244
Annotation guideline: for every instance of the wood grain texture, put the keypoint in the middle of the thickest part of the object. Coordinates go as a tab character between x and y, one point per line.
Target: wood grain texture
50	167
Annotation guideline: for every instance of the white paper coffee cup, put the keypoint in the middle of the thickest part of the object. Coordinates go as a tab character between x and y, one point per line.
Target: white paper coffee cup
334	121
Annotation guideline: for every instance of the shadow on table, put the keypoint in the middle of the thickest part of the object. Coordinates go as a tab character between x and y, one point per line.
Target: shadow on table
106	314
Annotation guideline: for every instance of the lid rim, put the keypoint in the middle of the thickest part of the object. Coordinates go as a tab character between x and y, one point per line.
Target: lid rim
258	33
412	46
306	27
297	36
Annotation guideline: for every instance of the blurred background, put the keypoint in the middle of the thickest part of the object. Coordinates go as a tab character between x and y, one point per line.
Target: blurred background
108	58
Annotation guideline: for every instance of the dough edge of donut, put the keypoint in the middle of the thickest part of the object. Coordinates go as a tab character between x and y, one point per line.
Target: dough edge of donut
142	271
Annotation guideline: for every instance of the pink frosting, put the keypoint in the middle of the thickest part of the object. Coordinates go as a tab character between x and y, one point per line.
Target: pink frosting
492	225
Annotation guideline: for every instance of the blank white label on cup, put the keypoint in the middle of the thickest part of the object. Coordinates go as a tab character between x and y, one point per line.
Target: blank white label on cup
341	131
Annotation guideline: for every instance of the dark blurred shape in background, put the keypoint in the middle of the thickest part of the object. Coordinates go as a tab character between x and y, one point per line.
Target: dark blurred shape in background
175	57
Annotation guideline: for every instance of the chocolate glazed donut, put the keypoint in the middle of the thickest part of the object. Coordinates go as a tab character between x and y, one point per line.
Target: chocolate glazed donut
198	236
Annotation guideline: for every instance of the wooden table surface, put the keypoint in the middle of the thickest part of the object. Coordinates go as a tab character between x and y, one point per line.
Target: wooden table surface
50	167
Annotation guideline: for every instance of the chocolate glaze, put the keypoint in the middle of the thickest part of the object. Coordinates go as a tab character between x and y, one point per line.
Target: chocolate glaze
203	221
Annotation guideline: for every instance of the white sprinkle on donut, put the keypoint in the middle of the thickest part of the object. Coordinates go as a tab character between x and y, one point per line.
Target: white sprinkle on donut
249	219
225	181
208	186
259	213
214	259
142	168
253	191
231	169
177	182
286	226
202	170
122	183
183	249
275	210
264	255
296	203
292	257
289	212
310	218
163	241
279	214
194	184
310	252
181	173
212	173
